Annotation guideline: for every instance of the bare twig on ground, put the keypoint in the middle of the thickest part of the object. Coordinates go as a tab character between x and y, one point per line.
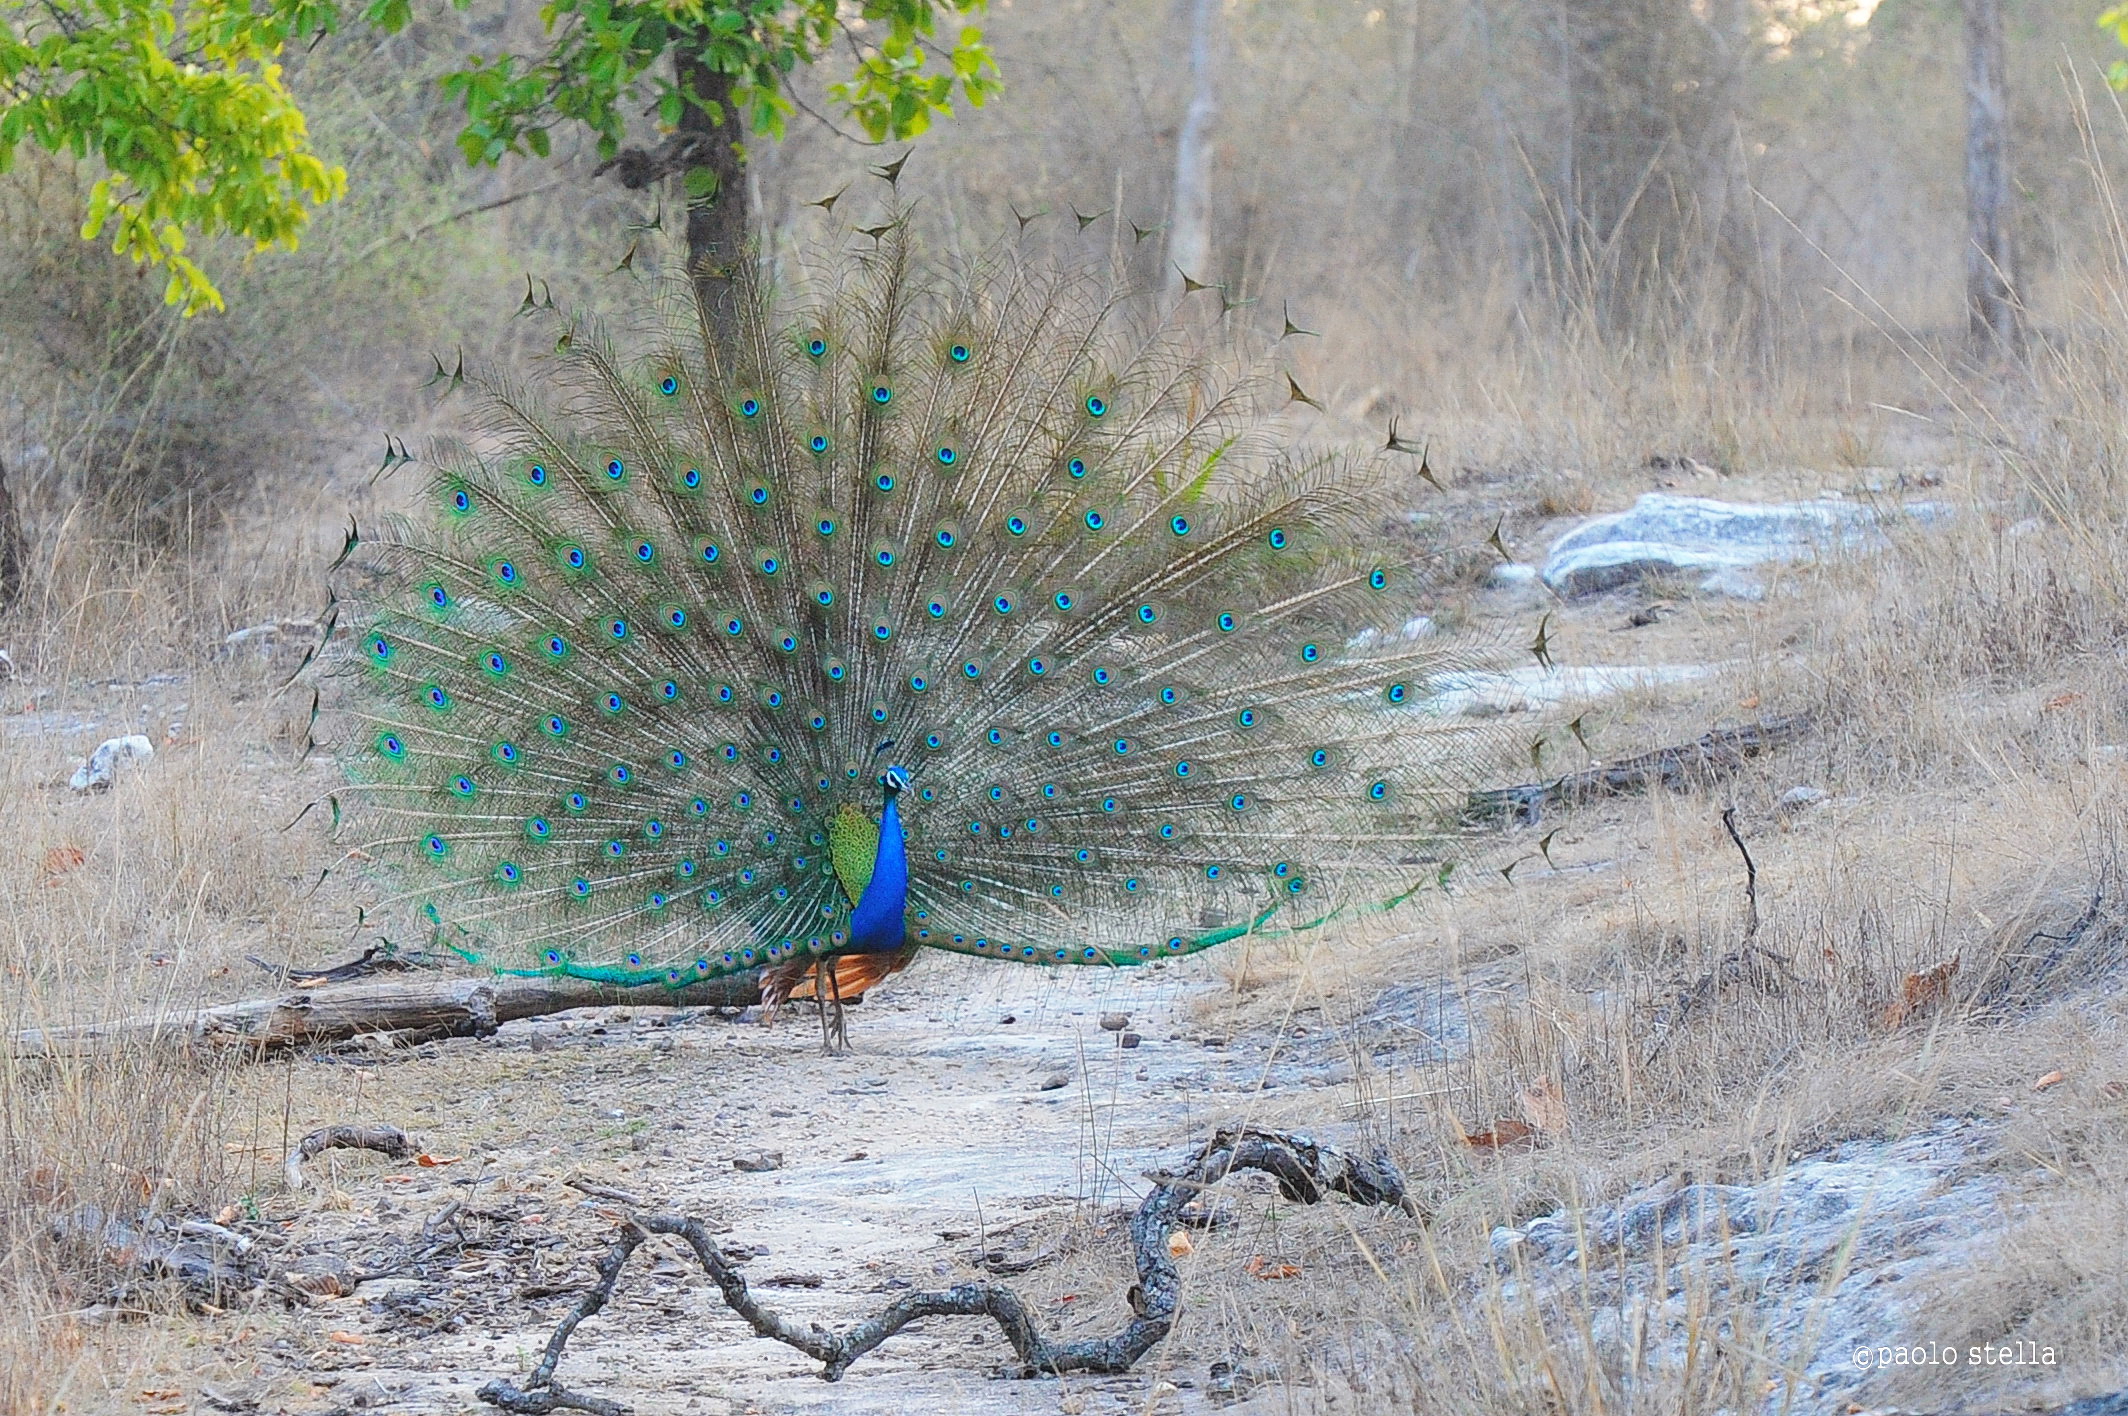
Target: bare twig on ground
1306	1172
390	1140
375	959
1752	963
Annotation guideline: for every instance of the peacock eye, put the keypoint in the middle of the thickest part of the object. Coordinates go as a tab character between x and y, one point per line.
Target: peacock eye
816	347
668	385
1096	406
958	353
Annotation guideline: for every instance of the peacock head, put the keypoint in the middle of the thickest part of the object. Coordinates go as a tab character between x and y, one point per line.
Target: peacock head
895	779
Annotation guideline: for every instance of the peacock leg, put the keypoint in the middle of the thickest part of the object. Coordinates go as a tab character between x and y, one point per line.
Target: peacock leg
841	1034
821	974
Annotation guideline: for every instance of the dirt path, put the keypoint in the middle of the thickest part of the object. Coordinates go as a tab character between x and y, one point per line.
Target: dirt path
986	1111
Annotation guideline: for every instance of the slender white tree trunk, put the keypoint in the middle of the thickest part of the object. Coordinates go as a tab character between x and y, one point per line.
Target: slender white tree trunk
1189	231
1990	267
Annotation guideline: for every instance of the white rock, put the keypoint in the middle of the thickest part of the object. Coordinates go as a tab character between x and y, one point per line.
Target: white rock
1711	540
1512	573
1800	798
102	765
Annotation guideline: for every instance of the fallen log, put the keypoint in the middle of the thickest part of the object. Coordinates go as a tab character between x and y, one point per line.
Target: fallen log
1706	759
406	1012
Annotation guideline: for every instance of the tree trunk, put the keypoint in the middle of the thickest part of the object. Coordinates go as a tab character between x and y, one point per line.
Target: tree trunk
1189	232
714	189
450	1005
1990	266
14	553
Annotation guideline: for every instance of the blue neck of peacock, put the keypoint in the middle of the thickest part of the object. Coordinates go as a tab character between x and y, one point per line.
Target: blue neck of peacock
876	924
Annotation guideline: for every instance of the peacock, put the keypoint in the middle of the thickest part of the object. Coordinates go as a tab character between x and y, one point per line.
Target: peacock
904	605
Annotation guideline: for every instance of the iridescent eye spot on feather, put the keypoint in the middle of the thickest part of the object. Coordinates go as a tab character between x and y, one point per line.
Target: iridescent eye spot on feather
818	722
620	775
1378	791
616	470
1277	538
1169	696
1095	520
1378	579
885	554
495	663
958	353
1226	623
575	803
994	737
1180	525
1309	653
997	792
972	670
1123	747
1166	831
757	493
505	573
1076	468
734	626
436	595
653	828
1003	604
1096	406
834	669
536	475
879	712
539	828
674	617
381	649
435	697
1319	758
882	631
616	849
787	642
772	698
749	407
826	525
1246	718
686	869
947	457
574	558
933	741
1296	885
436	847
816	347
729	752
882	394
656	900
1183	768
389	745
613	703
1147	614
818	443
1016	524
505	752
645	552
768	563
618	628
710	552
1064	601
580	887
946	538
918	683
1037	667
1101	678
936	609
698	807
556	647
461	501
1214	872
508	874
824	595
1397	692
1239	801
555	726
691	479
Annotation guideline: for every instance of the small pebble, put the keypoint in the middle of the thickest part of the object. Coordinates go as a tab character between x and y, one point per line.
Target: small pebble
1055	1081
758	1162
1129	1040
1114	1022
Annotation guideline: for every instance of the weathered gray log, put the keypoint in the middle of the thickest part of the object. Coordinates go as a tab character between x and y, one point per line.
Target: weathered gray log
408	1012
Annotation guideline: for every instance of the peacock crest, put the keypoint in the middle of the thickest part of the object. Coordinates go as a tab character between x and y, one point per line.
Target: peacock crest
967	560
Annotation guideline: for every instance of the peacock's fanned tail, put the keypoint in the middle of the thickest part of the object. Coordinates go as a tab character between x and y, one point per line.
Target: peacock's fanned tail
1147	674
